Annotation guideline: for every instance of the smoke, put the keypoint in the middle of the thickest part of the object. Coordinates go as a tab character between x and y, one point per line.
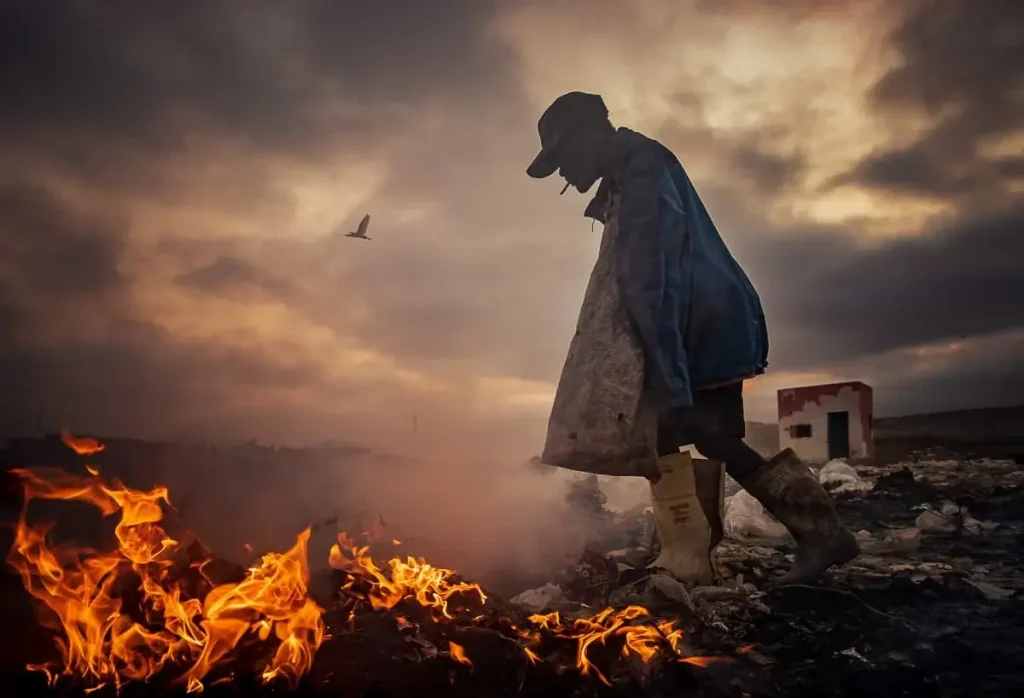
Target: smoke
505	523
486	519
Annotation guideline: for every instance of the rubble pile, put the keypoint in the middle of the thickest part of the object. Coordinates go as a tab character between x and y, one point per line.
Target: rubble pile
932	608
151	613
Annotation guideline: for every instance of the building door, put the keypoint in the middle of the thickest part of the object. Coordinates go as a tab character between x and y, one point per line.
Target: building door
838	435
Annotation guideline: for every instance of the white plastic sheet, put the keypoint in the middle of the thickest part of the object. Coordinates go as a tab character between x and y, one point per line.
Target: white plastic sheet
840	477
541	598
950	517
746	518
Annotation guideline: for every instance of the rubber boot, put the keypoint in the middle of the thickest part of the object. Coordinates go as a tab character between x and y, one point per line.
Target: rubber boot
789	491
682	528
709	478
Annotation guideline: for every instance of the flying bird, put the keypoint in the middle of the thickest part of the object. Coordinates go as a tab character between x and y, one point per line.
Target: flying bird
361	230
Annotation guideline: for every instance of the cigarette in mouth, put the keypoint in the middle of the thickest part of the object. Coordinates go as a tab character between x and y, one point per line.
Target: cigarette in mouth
564	188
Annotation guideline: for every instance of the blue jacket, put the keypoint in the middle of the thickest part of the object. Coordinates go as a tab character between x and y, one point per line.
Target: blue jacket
694	311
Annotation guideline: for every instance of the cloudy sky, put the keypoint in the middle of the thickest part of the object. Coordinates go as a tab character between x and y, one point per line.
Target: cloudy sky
176	179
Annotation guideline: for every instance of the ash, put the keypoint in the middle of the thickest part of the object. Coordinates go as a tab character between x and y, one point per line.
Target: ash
932	608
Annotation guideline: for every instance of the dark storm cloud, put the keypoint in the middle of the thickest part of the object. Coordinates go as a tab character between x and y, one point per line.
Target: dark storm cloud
911	170
56	266
228	275
80	79
985	372
760	158
945	164
47	251
837	303
963	64
788	8
831	300
480	280
110	94
60	269
858	309
72	350
770	172
136	380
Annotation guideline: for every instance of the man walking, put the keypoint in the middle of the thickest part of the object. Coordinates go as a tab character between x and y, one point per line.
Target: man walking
693	311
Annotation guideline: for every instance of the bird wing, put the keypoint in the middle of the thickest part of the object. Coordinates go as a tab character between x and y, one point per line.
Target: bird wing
363	225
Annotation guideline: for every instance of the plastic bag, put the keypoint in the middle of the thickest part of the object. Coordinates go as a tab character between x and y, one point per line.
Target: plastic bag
600	421
541	598
839	477
745	517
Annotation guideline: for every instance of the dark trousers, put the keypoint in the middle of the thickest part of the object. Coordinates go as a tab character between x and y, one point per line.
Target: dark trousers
716	429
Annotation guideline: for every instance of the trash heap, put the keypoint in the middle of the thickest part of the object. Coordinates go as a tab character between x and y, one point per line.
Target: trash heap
932	607
151	613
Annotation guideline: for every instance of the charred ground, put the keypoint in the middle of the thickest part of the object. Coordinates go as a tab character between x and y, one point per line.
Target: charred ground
941	616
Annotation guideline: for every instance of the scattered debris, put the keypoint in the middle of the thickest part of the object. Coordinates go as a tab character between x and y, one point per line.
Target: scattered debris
900	540
928	610
950	518
852	652
991	591
901	480
545	598
745	517
671	589
840	478
903	540
930	520
591	579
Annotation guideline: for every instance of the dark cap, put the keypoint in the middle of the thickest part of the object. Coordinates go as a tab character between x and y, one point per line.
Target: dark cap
569	112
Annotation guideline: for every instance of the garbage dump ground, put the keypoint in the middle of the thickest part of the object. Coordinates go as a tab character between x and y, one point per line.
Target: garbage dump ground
933	608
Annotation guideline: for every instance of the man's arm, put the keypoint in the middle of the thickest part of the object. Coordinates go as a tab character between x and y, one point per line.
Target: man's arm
643	272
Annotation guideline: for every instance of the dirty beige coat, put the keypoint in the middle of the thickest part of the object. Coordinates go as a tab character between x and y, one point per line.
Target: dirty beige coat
601	421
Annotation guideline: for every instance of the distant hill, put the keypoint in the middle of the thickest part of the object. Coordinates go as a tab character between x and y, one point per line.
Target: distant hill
994	432
983	424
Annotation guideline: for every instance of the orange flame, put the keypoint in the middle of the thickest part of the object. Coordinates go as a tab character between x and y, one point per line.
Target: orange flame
195	632
642	640
458	653
103	644
412	578
82	445
705	662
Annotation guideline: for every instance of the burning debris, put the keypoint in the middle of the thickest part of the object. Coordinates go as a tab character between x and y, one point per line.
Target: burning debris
147	606
153	609
932	607
82	445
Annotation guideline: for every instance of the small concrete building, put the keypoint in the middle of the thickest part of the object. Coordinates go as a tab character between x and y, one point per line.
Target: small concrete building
822	422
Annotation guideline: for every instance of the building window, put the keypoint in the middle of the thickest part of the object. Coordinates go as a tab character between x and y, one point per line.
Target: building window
800	431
